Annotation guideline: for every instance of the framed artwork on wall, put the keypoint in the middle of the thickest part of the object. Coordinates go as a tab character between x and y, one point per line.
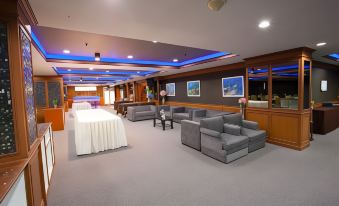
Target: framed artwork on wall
193	88
170	89
323	86
233	86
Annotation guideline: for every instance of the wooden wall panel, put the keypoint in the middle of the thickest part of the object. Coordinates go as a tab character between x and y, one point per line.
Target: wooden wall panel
285	128
263	119
205	106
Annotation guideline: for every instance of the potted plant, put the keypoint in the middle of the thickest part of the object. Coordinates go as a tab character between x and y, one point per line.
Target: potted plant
242	102
163	93
149	94
55	102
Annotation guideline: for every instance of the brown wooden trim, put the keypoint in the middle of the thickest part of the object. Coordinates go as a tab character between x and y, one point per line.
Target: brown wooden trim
26	13
239	65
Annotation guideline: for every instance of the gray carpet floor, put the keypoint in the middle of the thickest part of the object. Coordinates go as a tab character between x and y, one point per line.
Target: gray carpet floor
157	170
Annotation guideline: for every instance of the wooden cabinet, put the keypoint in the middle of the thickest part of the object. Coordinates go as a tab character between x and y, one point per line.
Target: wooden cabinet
56	116
46	89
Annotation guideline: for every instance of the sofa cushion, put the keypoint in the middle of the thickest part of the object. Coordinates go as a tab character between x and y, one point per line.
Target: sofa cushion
197	119
213	123
144	113
181	116
232	141
232	129
233	119
254	135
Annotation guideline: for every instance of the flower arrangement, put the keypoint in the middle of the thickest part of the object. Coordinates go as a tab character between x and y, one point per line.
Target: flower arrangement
242	101
149	93
163	93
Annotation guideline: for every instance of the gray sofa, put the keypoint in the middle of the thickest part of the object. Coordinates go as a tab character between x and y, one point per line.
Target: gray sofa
182	113
135	113
220	141
257	138
198	115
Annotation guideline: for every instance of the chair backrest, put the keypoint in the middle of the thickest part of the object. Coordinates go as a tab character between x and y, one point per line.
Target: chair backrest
235	119
213	123
213	113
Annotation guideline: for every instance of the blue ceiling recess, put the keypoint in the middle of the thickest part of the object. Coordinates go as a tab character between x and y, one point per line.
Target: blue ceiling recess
334	56
125	61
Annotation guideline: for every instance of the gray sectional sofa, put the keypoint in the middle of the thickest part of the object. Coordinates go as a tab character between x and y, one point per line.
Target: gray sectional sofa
222	141
136	113
190	130
182	113
198	115
224	137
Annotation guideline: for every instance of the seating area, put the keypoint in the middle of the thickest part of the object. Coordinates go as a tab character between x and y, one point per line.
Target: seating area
169	103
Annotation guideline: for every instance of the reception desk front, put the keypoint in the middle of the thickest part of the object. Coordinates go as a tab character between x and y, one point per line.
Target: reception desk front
325	119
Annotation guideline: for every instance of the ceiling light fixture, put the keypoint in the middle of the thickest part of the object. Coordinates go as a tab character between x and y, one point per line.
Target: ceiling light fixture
66	51
155	42
97	56
264	24
91	68
216	5
69	70
107	71
138	72
321	44
130	56
175	60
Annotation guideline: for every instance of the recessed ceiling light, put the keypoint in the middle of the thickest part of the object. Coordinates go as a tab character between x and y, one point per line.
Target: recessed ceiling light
66	51
97	56
138	72
107	71
264	24
69	70
155	42
321	44
130	56
175	60
91	68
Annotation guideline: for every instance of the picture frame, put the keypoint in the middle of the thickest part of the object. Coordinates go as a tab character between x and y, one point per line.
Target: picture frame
193	88
170	89
323	85
233	86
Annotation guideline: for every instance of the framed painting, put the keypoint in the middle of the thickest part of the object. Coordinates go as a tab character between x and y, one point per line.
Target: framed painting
233	86
193	88
170	89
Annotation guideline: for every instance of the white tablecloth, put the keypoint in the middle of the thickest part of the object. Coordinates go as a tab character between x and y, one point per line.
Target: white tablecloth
97	130
80	106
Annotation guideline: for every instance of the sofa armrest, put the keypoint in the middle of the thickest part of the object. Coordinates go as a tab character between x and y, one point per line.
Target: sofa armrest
250	124
210	132
131	113
232	129
199	113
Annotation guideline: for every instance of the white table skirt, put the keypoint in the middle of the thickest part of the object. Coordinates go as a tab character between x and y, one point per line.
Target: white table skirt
80	106
97	130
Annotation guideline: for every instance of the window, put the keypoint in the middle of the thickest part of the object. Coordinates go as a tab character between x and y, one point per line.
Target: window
285	85
258	87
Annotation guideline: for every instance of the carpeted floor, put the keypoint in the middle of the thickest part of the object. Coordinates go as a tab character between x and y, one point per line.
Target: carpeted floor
157	170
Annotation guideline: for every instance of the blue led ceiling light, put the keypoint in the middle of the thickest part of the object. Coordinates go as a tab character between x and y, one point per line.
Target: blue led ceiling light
334	56
126	61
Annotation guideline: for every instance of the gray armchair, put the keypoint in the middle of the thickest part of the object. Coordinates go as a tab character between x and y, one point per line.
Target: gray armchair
220	141
257	138
198	115
135	113
190	134
181	113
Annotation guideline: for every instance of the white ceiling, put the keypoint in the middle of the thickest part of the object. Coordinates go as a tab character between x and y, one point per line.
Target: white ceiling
294	23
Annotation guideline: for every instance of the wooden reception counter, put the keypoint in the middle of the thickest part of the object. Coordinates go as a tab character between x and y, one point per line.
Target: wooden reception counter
325	119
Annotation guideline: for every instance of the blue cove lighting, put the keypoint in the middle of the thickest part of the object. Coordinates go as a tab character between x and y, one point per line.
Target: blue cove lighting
124	61
334	56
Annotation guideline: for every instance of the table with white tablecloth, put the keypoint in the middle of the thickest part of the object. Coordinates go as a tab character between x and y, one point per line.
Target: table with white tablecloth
80	106
97	130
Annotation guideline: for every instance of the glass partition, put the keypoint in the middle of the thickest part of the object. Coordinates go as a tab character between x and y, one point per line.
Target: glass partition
307	81
258	87
285	85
